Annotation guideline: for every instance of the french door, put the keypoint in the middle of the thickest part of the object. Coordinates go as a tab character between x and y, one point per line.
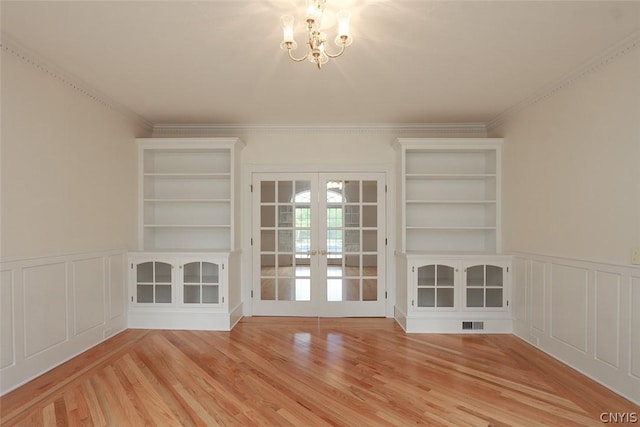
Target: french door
318	244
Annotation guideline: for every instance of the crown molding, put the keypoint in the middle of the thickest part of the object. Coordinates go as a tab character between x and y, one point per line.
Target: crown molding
597	63
166	130
11	46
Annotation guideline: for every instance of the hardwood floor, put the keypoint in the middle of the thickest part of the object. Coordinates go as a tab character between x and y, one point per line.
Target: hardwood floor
307	372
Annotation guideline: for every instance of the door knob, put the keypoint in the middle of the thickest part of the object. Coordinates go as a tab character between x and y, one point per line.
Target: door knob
323	252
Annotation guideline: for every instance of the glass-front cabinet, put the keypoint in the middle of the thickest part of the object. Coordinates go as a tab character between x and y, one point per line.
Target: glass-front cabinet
165	280
200	283
447	293
435	286
484	286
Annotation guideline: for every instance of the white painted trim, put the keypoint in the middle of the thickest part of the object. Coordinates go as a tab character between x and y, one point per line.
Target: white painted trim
596	63
618	376
247	210
28	56
26	367
165	130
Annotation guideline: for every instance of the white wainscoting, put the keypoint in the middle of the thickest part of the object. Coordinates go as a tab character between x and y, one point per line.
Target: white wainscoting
586	314
54	308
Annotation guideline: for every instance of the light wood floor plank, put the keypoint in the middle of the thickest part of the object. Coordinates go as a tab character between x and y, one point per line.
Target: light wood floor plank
311	372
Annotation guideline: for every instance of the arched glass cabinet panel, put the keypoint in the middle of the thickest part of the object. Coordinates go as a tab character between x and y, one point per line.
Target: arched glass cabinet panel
153	283
201	283
484	286
436	286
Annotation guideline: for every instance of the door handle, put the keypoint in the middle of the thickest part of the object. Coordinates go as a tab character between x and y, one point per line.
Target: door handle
323	252
313	252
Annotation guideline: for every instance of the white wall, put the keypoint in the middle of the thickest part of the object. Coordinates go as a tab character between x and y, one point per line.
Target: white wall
68	167
571	197
572	169
68	215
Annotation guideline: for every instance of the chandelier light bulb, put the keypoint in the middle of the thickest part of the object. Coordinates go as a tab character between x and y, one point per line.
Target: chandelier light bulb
317	52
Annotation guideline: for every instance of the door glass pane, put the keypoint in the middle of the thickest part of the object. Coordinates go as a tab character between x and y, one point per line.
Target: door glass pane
334	192
370	241
285	289
268	192
285	216
369	290
268	240
352	191
285	265
352	216
352	290
268	289
334	267
303	289
285	240
370	265
369	191
370	216
352	265
285	191
352	241
267	216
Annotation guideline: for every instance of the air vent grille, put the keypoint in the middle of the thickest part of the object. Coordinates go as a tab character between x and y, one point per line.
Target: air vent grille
472	325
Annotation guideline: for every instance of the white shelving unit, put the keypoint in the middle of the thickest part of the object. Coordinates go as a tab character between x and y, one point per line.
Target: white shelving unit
450	236
187	188
185	274
450	195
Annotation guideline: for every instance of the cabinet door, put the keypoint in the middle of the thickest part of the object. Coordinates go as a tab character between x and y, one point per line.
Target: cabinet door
435	286
201	283
485	286
153	282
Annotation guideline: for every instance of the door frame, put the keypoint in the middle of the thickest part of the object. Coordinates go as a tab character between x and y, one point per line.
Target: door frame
247	222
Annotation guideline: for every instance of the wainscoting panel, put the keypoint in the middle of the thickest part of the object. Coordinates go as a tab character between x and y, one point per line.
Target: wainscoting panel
117	286
45	307
607	308
519	295
584	313
569	305
634	327
55	307
88	287
6	319
538	306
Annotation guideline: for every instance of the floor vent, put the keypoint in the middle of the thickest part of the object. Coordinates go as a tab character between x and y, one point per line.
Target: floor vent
472	325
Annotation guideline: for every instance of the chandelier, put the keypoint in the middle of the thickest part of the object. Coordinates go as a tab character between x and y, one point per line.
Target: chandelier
316	45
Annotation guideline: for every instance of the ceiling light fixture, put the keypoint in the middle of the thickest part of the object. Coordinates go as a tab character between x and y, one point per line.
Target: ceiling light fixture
316	46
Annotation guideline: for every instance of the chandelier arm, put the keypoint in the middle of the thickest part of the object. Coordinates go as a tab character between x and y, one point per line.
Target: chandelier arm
335	55
297	59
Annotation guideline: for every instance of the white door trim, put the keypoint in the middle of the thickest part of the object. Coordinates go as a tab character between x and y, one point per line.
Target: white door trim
246	221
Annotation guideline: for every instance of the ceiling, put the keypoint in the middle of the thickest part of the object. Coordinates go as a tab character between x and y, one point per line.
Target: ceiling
219	62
